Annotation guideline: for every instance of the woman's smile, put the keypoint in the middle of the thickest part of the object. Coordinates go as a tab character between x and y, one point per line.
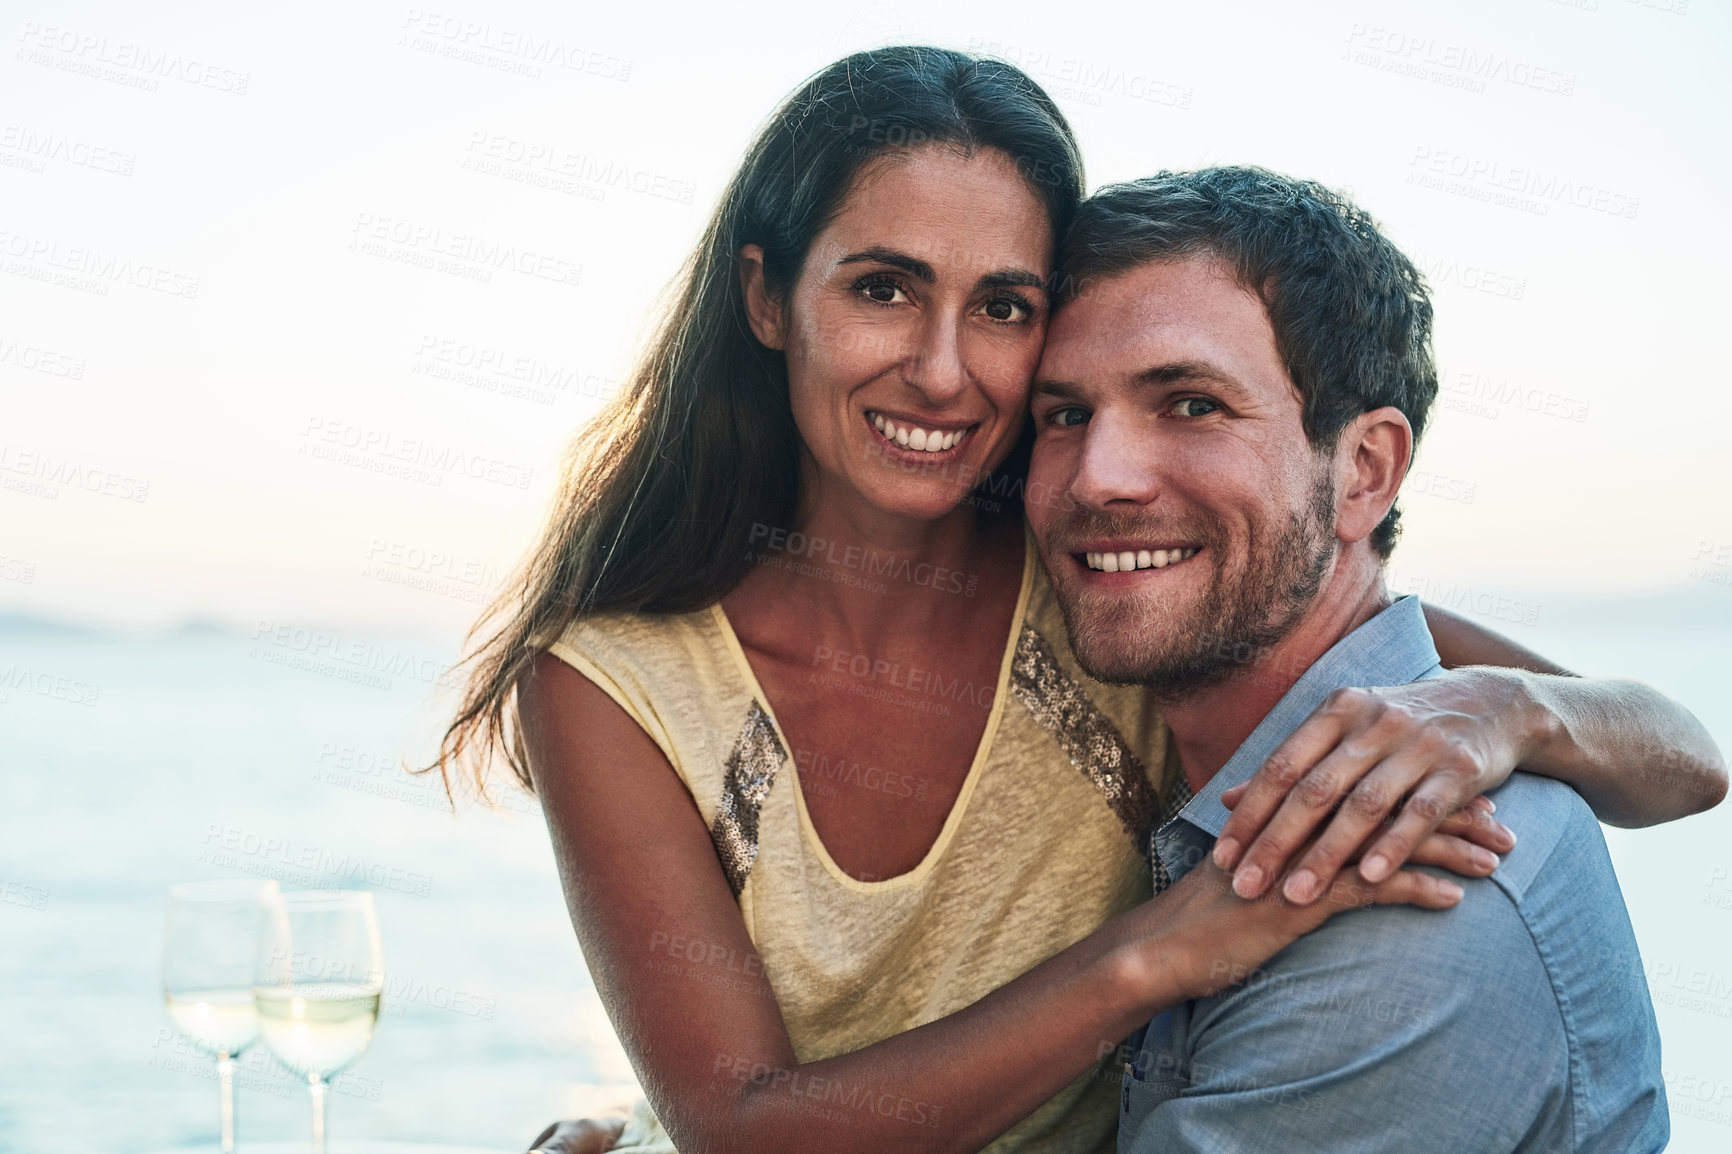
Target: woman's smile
928	439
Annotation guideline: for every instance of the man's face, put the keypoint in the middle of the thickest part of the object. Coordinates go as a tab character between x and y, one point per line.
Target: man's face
1164	410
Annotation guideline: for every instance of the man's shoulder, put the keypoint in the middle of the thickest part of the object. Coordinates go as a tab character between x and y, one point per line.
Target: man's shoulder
1424	964
1558	870
1548	817
1384	1005
1392	967
1389	1002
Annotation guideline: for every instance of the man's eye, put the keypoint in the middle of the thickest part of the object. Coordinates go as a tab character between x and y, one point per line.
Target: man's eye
1068	417
1195	407
1007	309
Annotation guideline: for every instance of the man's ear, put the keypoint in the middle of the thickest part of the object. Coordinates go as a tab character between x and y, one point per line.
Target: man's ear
1371	460
763	310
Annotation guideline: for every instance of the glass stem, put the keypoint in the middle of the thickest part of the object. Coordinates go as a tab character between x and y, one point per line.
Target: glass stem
226	1084
316	1088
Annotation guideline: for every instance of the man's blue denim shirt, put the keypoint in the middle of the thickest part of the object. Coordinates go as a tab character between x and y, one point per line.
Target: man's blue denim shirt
1517	1021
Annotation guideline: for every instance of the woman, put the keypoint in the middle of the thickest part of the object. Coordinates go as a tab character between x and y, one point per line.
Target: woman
852	846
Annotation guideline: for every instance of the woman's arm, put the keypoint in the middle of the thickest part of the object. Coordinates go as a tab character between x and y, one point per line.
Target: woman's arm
1635	755
702	1025
1412	754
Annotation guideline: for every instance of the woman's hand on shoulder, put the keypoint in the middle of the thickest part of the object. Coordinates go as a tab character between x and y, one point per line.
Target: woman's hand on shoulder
1378	772
1211	938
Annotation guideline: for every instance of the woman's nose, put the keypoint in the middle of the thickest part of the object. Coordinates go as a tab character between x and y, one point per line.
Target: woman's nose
937	369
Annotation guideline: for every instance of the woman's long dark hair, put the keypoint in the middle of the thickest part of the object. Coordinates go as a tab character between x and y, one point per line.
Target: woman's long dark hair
660	493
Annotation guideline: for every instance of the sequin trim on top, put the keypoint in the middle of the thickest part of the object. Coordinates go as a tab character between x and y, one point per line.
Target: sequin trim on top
747	776
1091	741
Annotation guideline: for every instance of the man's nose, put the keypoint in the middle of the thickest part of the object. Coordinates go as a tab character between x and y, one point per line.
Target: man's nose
1116	467
937	369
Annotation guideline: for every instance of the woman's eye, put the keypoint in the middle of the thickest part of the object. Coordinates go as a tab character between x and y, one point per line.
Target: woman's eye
1195	407
883	292
1007	309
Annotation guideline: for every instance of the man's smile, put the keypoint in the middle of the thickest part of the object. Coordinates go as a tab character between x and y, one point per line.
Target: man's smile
1125	560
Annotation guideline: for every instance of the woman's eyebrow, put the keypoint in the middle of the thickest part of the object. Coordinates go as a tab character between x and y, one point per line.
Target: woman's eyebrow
910	265
915	267
1015	276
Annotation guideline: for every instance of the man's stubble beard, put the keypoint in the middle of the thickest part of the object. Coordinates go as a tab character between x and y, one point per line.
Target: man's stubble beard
1145	643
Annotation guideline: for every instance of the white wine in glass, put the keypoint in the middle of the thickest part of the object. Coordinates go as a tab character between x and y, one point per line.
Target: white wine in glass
210	950
319	978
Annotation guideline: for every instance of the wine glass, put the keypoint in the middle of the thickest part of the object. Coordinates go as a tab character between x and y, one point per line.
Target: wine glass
317	985
208	955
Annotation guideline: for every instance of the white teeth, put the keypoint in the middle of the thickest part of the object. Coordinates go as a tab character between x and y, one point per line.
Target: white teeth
911	437
1142	559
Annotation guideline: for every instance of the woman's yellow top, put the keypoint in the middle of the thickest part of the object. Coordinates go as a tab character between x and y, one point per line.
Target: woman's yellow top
1044	844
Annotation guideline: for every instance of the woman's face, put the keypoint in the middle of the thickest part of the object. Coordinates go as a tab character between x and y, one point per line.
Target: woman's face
915	327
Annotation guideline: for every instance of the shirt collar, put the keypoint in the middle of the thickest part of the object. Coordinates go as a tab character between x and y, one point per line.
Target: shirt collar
1393	648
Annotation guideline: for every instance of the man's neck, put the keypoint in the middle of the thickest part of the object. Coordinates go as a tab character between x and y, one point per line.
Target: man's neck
1208	726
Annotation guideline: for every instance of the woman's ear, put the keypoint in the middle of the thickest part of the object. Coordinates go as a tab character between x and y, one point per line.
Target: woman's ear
763	310
1372	457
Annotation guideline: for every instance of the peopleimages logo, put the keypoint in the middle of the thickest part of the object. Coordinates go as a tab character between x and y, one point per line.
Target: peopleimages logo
49	472
1523	186
861	559
416	458
36	359
134	65
300	863
465	254
89	269
319	651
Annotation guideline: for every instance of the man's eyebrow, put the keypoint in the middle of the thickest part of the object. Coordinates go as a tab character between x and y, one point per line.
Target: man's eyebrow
1064	390
1157	376
916	267
1178	372
1185	372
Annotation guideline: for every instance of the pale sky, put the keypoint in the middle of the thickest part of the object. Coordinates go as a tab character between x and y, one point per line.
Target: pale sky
214	223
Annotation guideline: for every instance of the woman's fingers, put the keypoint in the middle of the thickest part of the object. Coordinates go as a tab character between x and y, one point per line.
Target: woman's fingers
1274	780
1437	801
585	1136
1367	808
1478	826
1345	769
1362	812
1455	854
1321	763
1407	888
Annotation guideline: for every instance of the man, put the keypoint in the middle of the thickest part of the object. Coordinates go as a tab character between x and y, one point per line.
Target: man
1231	397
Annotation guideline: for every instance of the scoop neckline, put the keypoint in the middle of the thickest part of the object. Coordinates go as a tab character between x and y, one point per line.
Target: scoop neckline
982	753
